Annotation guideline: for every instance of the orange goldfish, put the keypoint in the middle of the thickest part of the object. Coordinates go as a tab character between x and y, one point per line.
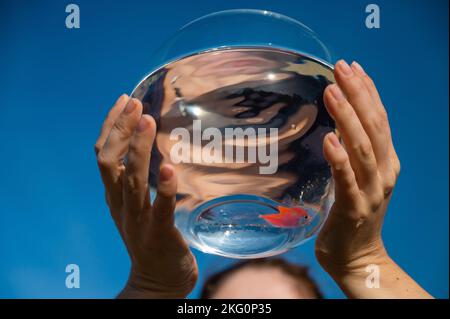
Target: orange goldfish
288	217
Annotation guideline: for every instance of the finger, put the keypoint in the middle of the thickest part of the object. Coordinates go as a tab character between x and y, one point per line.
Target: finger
135	188
110	158
369	84
109	121
380	110
371	117
346	187
164	205
355	139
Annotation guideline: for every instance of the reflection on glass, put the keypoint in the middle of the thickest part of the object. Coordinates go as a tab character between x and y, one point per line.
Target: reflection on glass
226	205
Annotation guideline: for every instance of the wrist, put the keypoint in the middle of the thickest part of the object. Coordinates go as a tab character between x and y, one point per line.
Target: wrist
358	278
344	263
351	274
133	291
140	286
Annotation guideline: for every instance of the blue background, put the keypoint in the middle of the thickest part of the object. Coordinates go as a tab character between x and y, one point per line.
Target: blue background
56	86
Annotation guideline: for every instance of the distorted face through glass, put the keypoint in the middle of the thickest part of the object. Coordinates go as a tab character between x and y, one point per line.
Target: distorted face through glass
272	102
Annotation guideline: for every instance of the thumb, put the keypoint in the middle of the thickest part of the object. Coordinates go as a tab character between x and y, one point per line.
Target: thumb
165	200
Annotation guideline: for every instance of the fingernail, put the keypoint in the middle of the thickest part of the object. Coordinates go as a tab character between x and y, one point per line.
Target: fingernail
130	106
143	124
344	67
165	174
336	92
122	97
358	68
334	140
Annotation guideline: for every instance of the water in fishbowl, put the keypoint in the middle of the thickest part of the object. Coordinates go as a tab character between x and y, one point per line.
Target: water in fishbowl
243	128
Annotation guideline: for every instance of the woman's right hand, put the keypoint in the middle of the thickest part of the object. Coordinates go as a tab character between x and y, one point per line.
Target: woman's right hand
162	266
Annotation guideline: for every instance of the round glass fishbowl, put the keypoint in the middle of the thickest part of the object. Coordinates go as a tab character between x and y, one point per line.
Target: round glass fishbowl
237	97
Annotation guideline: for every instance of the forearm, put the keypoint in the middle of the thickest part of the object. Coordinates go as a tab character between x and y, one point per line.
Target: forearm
132	292
383	279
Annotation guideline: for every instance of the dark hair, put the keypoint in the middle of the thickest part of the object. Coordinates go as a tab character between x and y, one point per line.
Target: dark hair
297	272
